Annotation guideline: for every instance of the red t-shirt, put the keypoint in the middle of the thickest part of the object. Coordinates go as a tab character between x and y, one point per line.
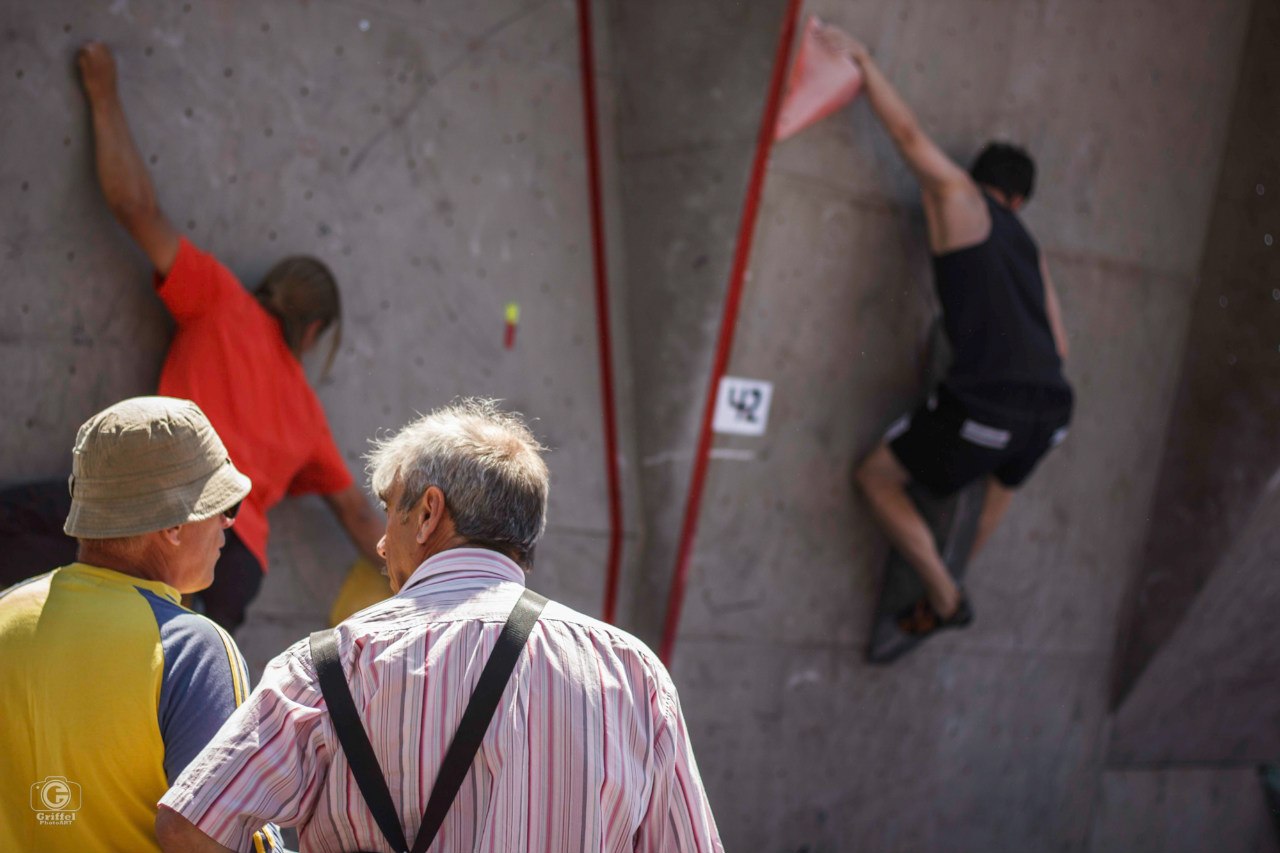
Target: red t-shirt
229	356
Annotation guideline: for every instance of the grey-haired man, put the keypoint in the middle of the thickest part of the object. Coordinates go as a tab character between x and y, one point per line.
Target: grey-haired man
587	750
108	686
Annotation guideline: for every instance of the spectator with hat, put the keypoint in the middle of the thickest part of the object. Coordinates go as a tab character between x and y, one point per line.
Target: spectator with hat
108	685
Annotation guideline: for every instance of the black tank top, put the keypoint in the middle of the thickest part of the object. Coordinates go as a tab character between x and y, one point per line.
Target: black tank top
993	307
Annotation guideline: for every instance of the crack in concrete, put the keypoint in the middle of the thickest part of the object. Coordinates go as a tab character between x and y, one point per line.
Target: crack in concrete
474	45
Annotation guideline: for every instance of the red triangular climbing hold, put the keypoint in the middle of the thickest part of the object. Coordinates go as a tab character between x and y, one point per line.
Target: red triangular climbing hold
821	82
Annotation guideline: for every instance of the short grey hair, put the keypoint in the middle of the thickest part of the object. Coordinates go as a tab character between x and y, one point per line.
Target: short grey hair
486	462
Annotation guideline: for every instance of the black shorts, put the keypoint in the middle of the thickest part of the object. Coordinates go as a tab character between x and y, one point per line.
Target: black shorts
947	442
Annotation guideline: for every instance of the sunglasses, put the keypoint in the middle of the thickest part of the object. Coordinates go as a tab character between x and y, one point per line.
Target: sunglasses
230	512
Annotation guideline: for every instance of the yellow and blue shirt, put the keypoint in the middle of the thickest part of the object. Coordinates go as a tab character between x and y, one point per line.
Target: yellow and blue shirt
108	688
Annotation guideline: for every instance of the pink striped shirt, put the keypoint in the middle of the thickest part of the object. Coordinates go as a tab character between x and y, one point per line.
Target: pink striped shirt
587	751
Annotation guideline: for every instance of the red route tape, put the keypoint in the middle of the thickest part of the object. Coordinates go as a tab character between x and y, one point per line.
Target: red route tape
603	334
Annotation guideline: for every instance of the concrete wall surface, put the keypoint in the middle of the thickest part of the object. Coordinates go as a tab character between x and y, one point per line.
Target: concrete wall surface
1224	437
687	116
1209	694
992	738
435	161
1184	810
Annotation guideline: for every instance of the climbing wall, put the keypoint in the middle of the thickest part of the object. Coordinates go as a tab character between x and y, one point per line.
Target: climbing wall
990	739
1223	449
1193	684
432	154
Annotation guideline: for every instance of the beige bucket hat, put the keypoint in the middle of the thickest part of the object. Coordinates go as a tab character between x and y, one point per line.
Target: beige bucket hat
145	464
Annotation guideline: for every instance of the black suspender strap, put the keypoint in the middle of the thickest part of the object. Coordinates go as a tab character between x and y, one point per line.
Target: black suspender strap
466	741
354	739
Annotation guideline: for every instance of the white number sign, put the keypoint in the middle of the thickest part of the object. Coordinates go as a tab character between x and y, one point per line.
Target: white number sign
742	406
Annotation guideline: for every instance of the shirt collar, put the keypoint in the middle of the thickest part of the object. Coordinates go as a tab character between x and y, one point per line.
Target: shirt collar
480	562
112	576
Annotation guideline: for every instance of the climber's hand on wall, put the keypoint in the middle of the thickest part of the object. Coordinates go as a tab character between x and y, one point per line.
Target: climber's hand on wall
97	70
126	184
838	41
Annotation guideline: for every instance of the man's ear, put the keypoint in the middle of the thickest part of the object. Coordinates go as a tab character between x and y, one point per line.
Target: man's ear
429	514
171	535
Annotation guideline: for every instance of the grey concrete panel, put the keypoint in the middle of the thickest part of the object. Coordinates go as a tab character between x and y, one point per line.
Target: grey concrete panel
1182	810
1224	438
804	747
778	529
1124	106
679	95
434	158
1209	694
55	384
680	220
